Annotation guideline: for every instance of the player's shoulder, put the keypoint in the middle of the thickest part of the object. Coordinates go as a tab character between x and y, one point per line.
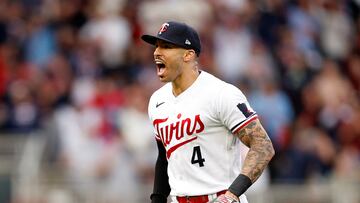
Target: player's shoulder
160	94
216	83
222	89
212	81
162	91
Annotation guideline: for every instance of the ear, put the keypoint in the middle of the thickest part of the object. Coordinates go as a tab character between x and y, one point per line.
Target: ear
189	55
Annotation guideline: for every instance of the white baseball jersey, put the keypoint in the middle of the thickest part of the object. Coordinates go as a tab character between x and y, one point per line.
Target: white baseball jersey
196	129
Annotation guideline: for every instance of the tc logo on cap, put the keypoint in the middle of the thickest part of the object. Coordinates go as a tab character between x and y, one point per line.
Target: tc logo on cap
163	28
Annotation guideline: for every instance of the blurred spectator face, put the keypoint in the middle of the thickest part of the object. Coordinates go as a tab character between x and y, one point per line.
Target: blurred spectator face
23	105
333	89
310	99
137	98
60	72
66	38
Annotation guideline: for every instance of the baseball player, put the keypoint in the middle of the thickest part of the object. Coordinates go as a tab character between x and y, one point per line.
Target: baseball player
199	121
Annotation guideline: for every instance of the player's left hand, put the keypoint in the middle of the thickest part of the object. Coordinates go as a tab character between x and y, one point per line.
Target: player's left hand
225	198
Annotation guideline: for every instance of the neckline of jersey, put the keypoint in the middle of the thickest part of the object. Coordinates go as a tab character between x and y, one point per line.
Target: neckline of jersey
190	88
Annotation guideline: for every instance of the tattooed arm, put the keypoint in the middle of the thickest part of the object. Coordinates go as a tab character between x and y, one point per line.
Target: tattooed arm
261	150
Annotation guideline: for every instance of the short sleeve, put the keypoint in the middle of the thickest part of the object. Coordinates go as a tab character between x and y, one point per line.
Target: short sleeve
233	108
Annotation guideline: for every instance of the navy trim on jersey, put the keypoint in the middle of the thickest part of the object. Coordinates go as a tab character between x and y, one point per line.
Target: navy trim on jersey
242	122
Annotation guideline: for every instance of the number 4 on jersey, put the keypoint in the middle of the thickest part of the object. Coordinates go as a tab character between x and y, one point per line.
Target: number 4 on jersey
196	157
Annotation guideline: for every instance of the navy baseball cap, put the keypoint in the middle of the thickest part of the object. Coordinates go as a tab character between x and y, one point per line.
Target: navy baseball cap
178	34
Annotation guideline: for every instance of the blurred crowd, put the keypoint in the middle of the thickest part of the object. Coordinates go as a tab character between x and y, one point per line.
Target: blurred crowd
78	69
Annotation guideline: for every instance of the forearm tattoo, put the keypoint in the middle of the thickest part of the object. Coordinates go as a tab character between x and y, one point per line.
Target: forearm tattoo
261	150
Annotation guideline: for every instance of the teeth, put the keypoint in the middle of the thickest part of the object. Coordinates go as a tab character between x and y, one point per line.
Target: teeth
158	61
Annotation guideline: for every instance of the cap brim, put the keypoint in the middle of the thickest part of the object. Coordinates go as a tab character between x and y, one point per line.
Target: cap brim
149	39
152	39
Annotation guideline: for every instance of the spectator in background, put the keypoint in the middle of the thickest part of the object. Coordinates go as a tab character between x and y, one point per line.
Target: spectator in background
310	156
260	65
336	29
92	153
294	71
274	108
137	132
188	11
232	45
272	18
109	32
337	97
305	30
40	44
24	114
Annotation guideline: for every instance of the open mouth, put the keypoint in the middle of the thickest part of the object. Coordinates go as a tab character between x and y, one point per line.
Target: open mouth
160	65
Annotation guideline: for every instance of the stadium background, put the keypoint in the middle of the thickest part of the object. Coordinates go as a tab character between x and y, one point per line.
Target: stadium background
75	80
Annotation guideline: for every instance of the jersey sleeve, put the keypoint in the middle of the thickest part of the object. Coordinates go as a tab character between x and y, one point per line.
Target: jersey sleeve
151	107
233	108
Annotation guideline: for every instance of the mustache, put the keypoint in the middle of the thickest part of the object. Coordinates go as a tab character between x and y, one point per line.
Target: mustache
158	60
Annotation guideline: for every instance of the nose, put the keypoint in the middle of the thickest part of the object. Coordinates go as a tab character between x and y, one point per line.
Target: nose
156	51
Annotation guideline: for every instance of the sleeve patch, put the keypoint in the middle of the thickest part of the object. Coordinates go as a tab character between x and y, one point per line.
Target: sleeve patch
244	109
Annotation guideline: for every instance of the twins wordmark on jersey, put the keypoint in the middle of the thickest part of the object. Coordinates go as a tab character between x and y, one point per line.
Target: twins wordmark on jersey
178	130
